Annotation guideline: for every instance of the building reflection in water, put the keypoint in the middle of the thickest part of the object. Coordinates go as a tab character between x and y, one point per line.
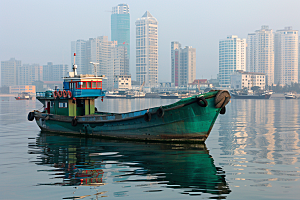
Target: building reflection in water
262	135
76	161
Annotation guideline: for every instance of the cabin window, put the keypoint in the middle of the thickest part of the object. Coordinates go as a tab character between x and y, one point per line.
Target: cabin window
88	84
94	85
79	84
51	104
83	84
99	85
63	105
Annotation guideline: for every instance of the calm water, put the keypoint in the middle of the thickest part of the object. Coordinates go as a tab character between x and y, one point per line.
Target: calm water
251	153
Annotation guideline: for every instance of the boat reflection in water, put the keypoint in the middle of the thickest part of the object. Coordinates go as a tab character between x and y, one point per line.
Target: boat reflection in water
95	162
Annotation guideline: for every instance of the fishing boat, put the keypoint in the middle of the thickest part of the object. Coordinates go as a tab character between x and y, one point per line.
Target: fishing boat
23	96
290	95
170	96
264	95
72	111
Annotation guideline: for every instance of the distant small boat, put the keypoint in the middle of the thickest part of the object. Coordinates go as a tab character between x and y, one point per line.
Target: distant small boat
170	96
290	95
120	94
24	96
135	94
265	95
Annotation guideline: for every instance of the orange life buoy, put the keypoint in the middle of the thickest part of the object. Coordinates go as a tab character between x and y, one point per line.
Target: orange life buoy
65	94
55	94
69	94
59	93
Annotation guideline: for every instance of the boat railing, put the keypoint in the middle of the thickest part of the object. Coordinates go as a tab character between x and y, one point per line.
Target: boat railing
44	94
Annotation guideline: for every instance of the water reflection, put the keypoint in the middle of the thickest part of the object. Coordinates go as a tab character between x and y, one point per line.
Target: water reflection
261	142
93	162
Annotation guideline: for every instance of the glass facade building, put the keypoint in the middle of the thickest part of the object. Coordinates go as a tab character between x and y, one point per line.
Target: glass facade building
120	28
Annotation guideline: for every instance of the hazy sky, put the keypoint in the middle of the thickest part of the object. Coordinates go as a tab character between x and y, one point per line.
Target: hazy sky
41	31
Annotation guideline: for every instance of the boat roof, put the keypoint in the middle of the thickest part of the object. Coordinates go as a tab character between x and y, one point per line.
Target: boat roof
83	77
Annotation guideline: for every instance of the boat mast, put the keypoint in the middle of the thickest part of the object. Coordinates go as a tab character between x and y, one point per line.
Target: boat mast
74	66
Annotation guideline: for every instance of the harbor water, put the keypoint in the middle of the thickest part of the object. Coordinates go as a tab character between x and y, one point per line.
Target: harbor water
252	153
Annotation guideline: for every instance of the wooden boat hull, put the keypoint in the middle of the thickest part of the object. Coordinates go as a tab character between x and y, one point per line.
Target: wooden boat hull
182	121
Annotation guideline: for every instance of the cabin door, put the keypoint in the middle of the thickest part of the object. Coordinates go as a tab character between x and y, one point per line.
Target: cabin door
48	107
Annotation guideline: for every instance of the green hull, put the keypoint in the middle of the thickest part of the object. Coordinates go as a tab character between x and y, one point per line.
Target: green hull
183	121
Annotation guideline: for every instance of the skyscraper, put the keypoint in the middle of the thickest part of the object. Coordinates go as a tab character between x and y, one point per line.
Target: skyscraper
79	47
232	57
146	50
27	74
183	61
286	56
260	53
9	72
54	72
120	29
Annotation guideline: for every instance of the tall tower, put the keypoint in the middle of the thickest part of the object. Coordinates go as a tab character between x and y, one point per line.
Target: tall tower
183	61
146	49
120	30
232	57
286	56
260	53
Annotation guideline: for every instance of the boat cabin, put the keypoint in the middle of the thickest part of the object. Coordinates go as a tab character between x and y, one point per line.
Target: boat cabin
77	98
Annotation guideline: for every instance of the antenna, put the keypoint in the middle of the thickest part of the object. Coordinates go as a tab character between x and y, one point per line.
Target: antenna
74	66
95	69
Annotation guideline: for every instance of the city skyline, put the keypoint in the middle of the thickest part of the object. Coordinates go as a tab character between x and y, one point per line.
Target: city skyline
26	28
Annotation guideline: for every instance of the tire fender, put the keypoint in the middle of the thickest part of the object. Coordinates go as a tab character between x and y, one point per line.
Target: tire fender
201	101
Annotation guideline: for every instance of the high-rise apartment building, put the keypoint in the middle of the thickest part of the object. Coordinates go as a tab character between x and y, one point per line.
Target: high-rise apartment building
27	74
232	57
146	50
105	58
260	53
299	60
120	28
112	59
54	72
183	64
9	72
286	56
79	47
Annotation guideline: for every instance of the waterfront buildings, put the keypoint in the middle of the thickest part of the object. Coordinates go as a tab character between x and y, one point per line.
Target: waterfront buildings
232	57
29	73
79	47
9	72
286	56
241	80
122	82
120	27
54	72
147	50
183	64
110	58
260	53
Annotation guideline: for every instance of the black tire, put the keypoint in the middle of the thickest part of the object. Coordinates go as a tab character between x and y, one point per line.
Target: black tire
201	101
74	122
30	116
147	117
223	111
160	112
